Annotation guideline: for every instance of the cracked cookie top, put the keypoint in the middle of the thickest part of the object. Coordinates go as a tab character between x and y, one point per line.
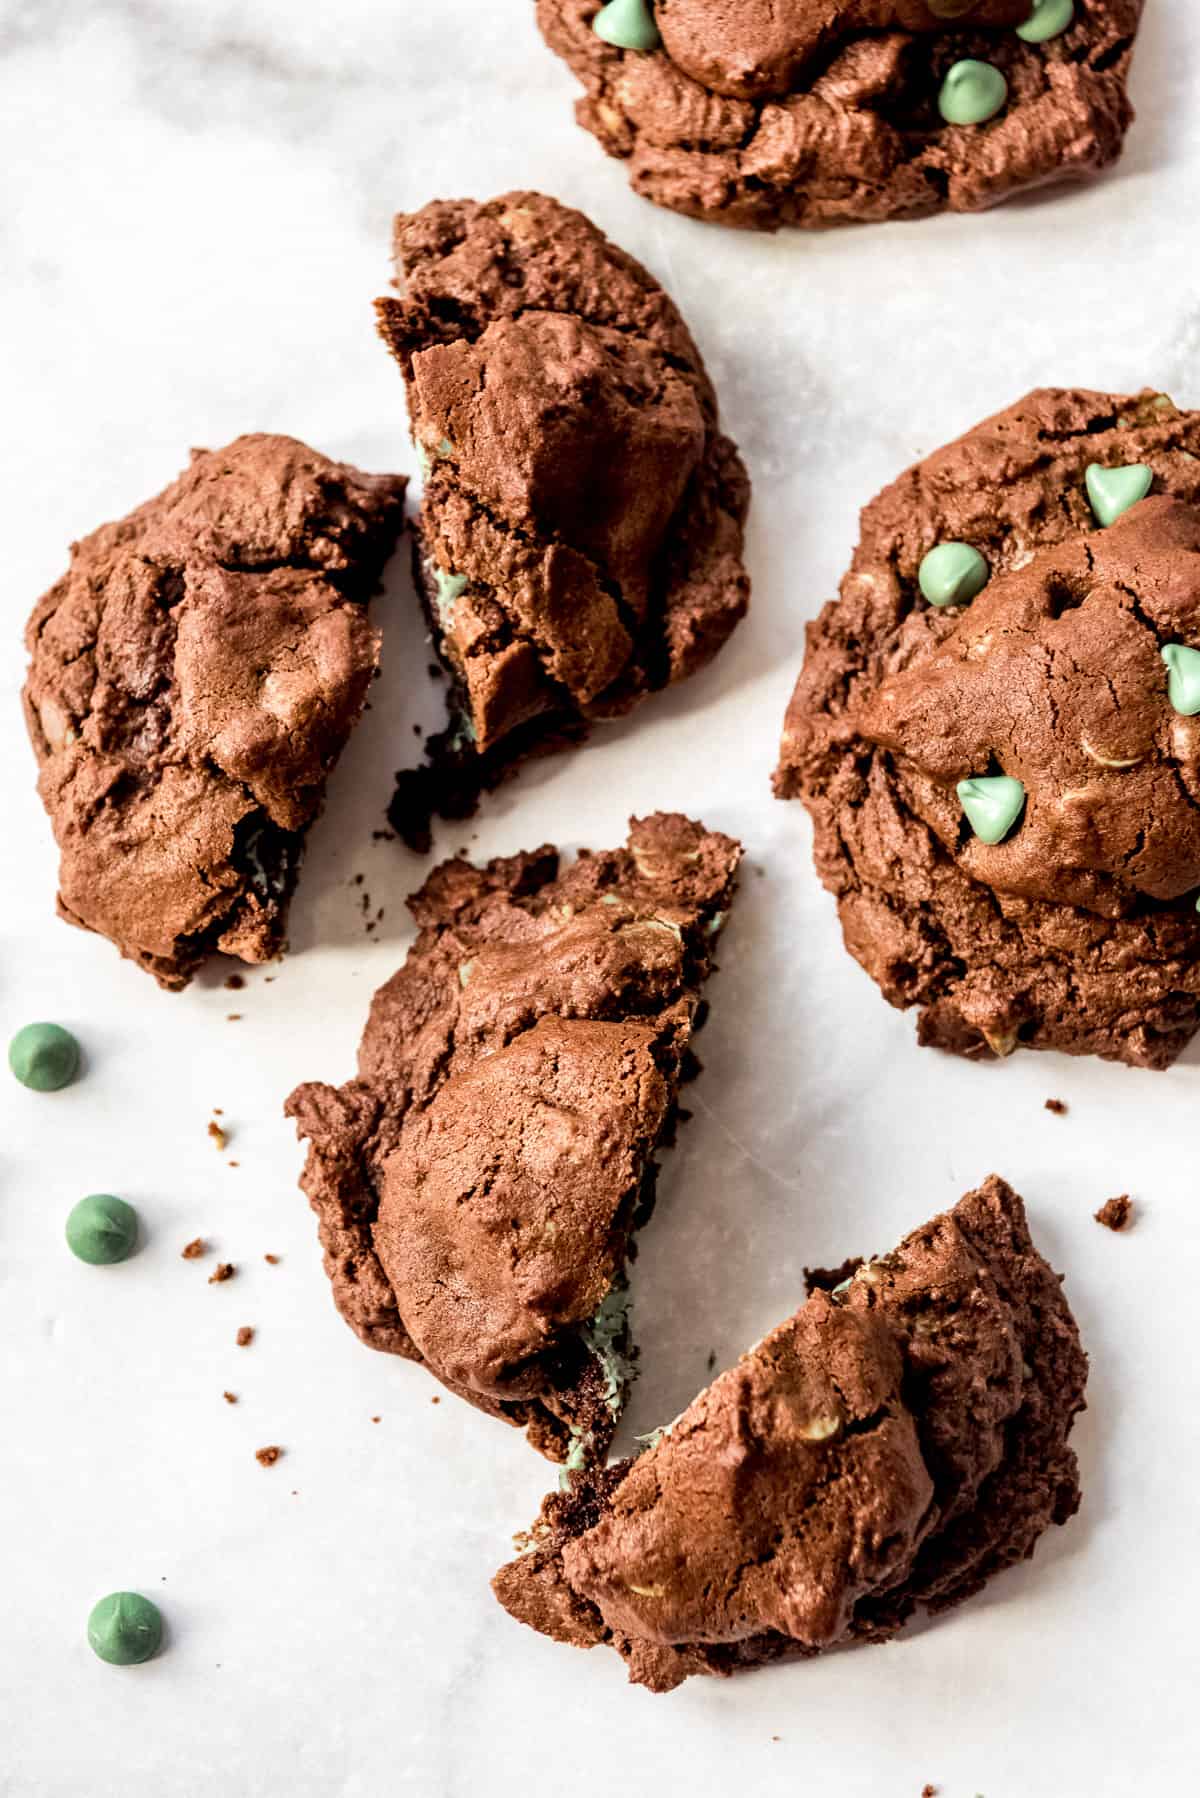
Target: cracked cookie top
193	680
479	1185
995	732
581	529
900	1439
769	113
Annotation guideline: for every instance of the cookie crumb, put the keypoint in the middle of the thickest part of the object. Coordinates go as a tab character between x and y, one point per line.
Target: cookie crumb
272	1259
931	1791
235	983
245	1336
230	1398
223	1271
235	1164
1116	1214
193	1250
267	1457
435	1400
218	1135
1057	1106
233	1017
375	1420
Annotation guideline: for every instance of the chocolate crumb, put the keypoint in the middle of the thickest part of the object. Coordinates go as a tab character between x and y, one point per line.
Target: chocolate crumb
235	983
245	1336
931	1791
1057	1106
383	836
267	1457
712	1360
273	1259
194	1249
217	1112
217	1134
1116	1214
233	1017
230	1398
436	673
224	1270
375	1420
358	880
435	1400
235	1164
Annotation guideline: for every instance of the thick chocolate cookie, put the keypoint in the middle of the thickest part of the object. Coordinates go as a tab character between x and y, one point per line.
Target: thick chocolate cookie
480	1184
194	678
996	733
580	538
764	113
890	1448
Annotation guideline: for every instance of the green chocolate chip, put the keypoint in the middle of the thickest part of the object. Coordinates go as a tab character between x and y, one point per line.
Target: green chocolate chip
972	93
952	574
1049	18
125	1629
44	1057
629	24
1113	490
102	1230
993	803
450	587
1183	688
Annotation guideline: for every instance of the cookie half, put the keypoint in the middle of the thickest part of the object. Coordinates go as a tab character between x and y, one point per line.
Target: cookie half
194	678
580	537
764	113
887	1450
480	1184
996	733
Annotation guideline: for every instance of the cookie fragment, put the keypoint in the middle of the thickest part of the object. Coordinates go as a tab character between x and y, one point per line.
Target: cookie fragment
1116	1214
885	1451
822	112
1068	919
580	538
479	1185
193	680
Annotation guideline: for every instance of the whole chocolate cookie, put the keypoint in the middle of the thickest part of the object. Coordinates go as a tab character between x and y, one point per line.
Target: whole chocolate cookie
893	1445
480	1184
194	678
762	113
580	537
996	733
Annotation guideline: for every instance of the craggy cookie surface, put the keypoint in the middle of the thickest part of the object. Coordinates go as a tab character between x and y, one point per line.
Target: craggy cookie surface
479	1184
1005	782
765	113
580	538
194	678
897	1442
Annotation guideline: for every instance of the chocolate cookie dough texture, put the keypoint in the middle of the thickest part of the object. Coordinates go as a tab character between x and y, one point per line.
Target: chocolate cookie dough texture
1002	756
580	537
194	678
763	113
479	1185
899	1441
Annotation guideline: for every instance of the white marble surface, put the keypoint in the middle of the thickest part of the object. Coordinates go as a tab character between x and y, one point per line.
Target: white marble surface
194	221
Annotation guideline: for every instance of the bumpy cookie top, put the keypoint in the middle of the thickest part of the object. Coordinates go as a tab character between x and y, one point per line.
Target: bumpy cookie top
193	679
582	519
765	113
897	1440
479	1184
1055	677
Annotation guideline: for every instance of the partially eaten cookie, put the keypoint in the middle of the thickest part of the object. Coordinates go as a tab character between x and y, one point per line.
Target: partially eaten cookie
899	1441
194	679
480	1184
579	543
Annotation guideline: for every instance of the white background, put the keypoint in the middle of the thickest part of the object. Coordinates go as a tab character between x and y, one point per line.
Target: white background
196	207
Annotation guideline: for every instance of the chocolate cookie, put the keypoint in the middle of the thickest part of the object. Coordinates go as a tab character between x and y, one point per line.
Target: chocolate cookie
762	113
893	1445
480	1184
580	538
996	733
194	678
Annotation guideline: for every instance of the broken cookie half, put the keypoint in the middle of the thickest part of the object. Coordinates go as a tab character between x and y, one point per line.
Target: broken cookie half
580	537
194	678
479	1185
889	1448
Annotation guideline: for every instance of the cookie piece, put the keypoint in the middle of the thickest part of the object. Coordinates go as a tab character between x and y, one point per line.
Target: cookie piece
1005	792
887	1450
194	678
762	113
580	537
479	1185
